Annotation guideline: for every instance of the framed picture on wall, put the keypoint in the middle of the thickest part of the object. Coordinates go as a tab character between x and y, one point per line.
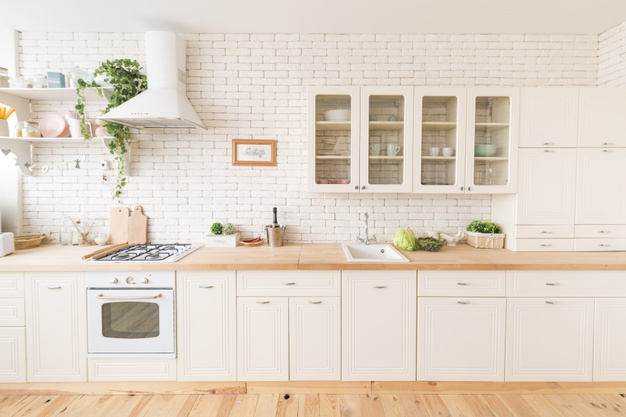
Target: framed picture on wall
254	152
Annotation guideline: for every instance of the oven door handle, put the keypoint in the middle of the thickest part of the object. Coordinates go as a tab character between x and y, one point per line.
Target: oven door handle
103	297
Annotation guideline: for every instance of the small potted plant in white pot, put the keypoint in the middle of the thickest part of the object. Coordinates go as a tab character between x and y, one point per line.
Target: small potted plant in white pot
484	235
222	235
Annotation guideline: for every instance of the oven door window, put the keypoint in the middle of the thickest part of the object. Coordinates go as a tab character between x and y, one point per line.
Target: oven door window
130	320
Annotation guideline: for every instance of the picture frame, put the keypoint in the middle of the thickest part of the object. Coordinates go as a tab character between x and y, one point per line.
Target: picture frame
254	152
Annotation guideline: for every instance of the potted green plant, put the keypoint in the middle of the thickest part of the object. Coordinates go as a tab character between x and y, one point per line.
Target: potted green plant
126	80
484	235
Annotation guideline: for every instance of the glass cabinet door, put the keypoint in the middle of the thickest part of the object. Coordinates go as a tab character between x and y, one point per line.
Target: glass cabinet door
492	145
440	150
333	122
386	150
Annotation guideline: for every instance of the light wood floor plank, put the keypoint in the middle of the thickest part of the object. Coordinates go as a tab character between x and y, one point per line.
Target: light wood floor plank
541	405
11	405
415	405
244	406
46	406
287	407
371	406
393	406
495	403
350	405
588	407
266	405
308	405
329	407
168	406
563	404
601	402
477	406
206	406
456	406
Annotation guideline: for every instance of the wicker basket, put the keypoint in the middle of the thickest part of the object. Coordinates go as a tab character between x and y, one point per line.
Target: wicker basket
27	242
485	240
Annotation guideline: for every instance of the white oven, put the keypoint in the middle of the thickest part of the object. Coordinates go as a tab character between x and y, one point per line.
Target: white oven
131	313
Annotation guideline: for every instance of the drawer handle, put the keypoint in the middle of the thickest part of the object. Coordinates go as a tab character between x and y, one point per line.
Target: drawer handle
604	245
206	286
262	302
552	302
288	283
547	150
608	150
548	144
315	302
546	245
380	287
464	283
552	284
608	144
463	302
546	232
58	287
604	231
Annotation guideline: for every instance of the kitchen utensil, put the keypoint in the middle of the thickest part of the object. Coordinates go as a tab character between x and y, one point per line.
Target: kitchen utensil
104	251
53	126
137	227
118	227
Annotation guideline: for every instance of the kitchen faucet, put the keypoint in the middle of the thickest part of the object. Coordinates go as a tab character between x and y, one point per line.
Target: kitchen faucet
367	239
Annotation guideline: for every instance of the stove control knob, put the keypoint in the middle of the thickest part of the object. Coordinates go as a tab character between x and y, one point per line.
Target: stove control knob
130	280
114	281
145	281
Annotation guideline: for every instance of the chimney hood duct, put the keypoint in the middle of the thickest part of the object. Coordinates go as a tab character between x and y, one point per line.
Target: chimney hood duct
164	104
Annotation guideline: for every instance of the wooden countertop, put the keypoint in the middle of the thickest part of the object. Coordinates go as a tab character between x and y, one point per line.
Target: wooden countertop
320	256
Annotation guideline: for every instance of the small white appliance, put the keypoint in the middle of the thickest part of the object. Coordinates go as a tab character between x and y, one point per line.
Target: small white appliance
7	245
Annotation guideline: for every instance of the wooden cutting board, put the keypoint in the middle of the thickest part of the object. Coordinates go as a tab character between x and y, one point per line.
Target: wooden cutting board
137	227
118	227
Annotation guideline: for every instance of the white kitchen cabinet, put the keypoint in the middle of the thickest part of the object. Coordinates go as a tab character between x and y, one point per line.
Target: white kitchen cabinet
369	149
262	341
460	325
549	339
12	331
55	327
206	326
601	186
461	119
378	325
601	117
314	338
548	118
609	361
288	325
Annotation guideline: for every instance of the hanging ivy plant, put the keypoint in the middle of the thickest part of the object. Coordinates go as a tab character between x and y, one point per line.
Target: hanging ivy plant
127	81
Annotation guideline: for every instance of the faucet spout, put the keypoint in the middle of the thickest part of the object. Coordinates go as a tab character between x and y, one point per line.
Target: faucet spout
366	240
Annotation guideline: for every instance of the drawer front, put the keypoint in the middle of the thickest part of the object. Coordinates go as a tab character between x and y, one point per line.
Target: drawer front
544	232
288	283
11	312
566	283
545	245
461	283
601	231
11	284
588	245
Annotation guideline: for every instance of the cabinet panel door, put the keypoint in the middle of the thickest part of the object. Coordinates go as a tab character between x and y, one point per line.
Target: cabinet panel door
315	338
601	120
460	339
206	326
55	322
546	186
11	284
262	343
12	354
549	339
379	325
548	117
601	186
609	361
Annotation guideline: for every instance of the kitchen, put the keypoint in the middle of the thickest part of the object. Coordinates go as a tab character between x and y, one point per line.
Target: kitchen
254	86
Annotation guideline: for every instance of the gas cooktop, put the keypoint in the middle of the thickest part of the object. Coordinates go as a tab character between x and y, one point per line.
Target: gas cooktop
151	252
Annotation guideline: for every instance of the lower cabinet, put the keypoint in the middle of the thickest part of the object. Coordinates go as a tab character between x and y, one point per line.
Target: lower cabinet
206	323
12	331
379	325
609	353
55	327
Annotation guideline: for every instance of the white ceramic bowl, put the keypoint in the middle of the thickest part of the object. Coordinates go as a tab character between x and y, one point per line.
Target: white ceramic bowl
484	149
337	115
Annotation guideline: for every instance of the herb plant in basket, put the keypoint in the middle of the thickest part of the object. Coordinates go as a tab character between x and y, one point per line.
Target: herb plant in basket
484	235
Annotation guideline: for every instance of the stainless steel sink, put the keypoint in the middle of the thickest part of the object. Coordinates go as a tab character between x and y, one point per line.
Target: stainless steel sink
380	252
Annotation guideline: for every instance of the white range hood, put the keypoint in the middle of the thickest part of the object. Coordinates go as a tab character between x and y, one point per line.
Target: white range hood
164	104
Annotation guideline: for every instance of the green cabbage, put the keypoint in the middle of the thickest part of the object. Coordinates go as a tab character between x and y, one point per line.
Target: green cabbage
405	239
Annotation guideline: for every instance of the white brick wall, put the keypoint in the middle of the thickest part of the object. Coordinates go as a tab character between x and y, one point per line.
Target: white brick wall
612	57
254	86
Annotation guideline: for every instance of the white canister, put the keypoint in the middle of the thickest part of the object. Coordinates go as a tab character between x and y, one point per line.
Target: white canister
7	244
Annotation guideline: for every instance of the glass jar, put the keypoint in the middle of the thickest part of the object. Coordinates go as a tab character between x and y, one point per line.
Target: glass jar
4	78
30	130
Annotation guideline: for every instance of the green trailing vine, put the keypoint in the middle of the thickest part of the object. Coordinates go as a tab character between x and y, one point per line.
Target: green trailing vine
127	81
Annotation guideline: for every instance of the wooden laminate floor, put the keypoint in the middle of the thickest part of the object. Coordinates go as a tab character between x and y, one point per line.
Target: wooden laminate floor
314	405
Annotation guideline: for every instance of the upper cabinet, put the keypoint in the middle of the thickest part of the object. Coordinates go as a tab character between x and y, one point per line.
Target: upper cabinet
548	118
360	139
466	140
601	117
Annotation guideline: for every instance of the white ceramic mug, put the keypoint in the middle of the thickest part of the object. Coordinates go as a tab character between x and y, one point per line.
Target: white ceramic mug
375	149
393	150
433	151
447	151
75	127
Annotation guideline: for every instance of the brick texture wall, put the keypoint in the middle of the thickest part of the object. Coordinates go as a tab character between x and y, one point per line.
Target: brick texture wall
611	57
255	86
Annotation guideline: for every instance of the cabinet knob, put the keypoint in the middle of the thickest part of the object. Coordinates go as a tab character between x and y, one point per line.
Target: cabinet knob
356	187
114	281
145	281
363	188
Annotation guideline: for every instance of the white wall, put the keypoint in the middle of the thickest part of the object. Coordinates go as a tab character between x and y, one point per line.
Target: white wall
612	54
254	86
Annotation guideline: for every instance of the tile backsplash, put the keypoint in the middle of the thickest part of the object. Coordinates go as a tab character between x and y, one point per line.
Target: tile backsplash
255	86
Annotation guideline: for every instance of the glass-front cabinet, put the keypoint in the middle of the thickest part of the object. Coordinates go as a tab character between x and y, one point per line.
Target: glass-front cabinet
360	139
466	140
